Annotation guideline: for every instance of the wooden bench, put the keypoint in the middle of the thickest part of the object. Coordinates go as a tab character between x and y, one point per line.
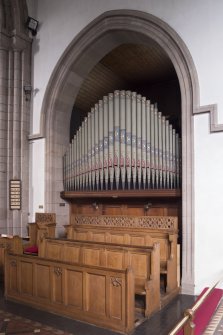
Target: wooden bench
133	230
9	244
145	262
97	295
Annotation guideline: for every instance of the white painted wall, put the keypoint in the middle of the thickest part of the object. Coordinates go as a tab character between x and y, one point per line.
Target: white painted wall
199	23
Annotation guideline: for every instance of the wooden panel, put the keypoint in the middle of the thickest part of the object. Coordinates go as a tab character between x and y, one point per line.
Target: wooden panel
112	210
53	251
98	237
163	248
115	259
79	292
57	285
43	281
131	210
96	294
74	288
137	240
91	256
26	269
80	236
139	264
115	307
71	253
12	281
117	238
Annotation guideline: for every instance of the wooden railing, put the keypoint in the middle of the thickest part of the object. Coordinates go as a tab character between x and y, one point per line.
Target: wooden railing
187	322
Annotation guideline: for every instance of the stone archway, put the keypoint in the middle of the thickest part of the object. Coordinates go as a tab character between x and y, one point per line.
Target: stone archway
97	39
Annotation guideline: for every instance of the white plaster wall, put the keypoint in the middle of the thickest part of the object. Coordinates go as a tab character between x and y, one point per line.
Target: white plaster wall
199	23
208	203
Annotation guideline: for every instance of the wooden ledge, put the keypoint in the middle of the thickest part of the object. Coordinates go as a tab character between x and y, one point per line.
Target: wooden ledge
121	194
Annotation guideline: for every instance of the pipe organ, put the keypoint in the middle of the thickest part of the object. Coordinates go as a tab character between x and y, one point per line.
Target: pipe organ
123	143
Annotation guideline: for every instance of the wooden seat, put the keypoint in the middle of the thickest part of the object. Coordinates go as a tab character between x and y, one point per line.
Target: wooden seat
97	295
133	230
143	260
44	226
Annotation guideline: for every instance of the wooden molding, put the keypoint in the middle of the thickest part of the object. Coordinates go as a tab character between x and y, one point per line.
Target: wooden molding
167	193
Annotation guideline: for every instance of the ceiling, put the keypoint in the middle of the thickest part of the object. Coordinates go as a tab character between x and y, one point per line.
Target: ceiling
129	66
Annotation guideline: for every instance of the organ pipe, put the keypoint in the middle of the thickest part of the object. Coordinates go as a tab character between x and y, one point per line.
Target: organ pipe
123	143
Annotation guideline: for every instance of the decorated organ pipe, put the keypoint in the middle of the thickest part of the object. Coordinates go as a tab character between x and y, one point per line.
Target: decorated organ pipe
123	143
105	140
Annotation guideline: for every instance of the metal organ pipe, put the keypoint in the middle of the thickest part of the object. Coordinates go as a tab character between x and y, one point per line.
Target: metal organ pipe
123	143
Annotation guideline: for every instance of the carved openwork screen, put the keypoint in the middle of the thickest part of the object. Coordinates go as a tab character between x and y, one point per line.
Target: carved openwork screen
123	143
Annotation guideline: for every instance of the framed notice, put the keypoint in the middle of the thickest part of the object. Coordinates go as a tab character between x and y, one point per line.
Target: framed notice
15	194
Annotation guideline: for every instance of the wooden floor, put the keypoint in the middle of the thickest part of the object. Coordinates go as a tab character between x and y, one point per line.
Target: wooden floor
159	324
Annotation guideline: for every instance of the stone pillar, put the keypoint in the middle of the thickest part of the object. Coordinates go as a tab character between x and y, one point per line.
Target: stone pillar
3	136
15	72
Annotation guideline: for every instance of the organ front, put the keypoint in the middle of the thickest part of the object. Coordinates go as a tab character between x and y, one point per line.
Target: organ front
124	143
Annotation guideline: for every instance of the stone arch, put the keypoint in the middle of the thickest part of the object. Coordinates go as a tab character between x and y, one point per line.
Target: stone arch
101	36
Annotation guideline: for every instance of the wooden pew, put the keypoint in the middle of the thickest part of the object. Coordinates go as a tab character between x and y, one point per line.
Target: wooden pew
44	226
145	262
9	244
97	295
133	230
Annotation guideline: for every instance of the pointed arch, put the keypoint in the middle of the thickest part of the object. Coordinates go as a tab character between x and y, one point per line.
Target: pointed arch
101	36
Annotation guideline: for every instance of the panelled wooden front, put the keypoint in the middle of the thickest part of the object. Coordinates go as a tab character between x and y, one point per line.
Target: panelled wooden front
145	262
26	274
43	279
58	282
136	231
96	304
104	255
96	295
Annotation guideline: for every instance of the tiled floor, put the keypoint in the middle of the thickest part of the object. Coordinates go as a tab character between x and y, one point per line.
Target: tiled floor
160	324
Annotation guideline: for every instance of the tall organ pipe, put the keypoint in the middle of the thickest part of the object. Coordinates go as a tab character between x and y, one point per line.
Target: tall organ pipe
124	142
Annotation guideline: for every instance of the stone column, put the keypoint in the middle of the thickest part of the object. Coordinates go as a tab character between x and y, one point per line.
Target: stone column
15	72
3	136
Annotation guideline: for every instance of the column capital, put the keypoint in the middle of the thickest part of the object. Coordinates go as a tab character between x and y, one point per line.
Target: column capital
14	41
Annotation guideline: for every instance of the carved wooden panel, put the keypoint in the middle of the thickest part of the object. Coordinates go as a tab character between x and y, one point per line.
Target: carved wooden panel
116	308
57	285
127	221
45	217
